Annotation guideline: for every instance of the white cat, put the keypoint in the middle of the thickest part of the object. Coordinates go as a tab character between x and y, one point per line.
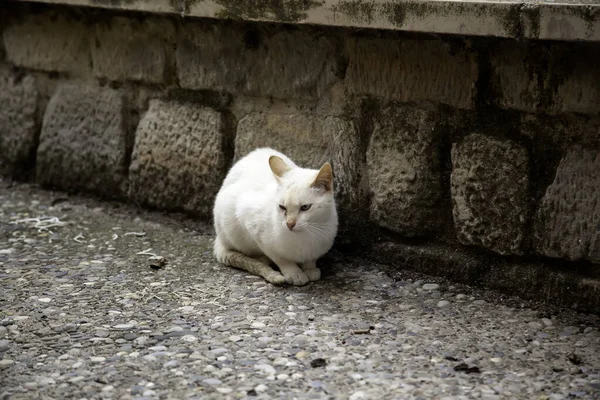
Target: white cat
270	210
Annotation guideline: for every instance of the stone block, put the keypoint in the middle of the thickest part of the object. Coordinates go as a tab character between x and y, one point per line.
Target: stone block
302	137
48	42
554	78
403	161
255	62
180	157
567	222
411	70
84	141
578	89
515	77
18	125
489	186
132	49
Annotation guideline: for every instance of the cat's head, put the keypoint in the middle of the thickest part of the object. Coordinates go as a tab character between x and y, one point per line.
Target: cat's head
304	198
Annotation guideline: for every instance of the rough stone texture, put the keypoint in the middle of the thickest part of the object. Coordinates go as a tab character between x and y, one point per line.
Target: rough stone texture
84	140
404	169
489	184
568	218
514	78
577	73
256	62
350	178
130	49
555	78
302	137
411	70
179	158
49	42
18	127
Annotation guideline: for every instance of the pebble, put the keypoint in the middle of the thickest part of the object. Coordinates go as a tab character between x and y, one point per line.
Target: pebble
97	359
45	299
212	381
6	363
235	338
547	322
431	286
269	370
261	388
124	326
258	325
224	390
171	364
443	303
535	325
44	380
571	330
358	395
189	338
136	389
4	345
141	341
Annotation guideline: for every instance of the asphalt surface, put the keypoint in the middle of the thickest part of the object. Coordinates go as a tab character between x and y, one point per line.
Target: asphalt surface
84	315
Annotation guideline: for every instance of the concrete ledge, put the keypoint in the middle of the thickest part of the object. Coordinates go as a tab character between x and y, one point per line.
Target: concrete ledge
571	20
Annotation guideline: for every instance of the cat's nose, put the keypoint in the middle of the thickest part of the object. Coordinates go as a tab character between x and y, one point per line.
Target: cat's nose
291	224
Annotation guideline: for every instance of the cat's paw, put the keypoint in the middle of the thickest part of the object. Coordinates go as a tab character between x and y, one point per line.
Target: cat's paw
296	278
275	278
314	274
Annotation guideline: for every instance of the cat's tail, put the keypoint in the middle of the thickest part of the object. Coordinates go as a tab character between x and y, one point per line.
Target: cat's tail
241	261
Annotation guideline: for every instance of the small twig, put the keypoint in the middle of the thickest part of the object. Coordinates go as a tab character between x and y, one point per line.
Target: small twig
134	234
147	253
115	236
78	238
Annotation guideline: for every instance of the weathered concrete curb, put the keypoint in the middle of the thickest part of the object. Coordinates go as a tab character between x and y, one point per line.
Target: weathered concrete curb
528	19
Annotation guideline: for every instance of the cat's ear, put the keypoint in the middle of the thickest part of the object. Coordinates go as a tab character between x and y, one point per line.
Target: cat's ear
278	166
324	179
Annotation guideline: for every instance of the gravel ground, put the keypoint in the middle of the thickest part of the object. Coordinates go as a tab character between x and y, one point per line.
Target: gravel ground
82	315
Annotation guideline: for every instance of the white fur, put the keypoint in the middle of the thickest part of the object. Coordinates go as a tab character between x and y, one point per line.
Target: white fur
248	218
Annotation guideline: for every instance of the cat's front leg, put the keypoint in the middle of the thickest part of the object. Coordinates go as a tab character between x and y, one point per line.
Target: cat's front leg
292	273
311	270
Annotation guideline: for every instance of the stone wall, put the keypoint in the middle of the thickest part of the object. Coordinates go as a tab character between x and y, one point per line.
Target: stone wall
479	156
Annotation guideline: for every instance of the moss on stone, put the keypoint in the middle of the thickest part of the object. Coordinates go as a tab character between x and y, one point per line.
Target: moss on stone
278	10
357	10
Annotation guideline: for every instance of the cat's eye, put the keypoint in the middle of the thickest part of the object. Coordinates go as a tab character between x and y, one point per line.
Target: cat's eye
282	207
305	207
